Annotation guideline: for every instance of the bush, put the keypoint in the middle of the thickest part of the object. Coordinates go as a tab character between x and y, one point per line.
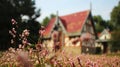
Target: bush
98	50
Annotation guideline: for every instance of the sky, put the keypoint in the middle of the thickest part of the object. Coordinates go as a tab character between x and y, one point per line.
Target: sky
64	7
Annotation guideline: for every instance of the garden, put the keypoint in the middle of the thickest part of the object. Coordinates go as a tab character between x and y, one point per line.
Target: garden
27	55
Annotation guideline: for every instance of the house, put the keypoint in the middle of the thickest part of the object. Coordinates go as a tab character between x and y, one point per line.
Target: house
103	40
76	29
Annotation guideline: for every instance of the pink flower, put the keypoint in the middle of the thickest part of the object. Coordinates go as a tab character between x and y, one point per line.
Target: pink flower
20	46
13	34
79	62
30	50
23	59
13	21
13	30
55	35
25	32
72	64
41	31
12	41
44	52
39	47
24	41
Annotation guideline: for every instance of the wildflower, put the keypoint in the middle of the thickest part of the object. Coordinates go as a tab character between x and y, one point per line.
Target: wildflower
13	21
13	30
55	35
22	58
24	41
55	63
44	52
41	31
39	46
20	46
95	64
10	32
12	41
12	50
79	61
72	64
25	33
30	51
36	62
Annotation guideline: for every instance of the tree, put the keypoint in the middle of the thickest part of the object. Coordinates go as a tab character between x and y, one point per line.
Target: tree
115	41
115	16
47	19
52	15
100	24
13	9
115	21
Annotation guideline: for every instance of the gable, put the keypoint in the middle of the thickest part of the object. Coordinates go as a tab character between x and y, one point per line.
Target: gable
73	23
105	35
88	28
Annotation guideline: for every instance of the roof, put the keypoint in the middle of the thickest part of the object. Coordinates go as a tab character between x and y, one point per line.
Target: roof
72	23
105	31
104	36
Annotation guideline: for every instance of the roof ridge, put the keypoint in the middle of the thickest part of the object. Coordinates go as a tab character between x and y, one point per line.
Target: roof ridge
88	10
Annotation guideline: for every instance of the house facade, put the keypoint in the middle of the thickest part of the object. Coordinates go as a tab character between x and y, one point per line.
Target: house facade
103	40
76	29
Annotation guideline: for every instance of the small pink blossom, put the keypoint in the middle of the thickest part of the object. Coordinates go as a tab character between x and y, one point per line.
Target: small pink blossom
41	31
55	35
24	41
25	32
13	21
13	30
10	32
38	46
12	41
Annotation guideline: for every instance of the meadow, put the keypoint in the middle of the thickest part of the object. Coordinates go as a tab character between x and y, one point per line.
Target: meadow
67	57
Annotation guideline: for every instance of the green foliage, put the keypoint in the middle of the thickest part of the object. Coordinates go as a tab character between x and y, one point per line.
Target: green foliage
115	21
110	25
115	16
100	23
34	27
15	9
46	20
52	15
99	28
115	41
98	19
98	50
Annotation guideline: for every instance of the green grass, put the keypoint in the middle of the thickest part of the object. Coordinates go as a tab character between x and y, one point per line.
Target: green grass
114	54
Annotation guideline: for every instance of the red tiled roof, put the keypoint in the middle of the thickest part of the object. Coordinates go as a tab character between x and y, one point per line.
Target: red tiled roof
49	27
72	22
